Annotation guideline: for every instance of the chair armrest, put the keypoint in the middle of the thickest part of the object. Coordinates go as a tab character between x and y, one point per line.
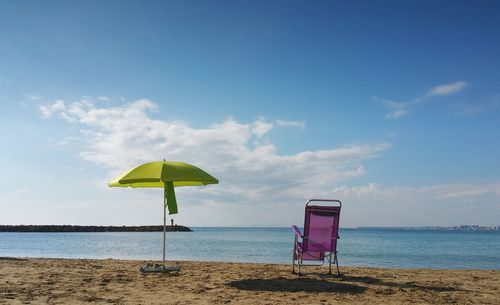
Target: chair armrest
296	231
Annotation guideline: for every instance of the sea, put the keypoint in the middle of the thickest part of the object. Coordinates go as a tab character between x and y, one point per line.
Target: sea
395	248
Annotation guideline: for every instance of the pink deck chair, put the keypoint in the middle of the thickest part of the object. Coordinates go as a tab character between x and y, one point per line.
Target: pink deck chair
321	231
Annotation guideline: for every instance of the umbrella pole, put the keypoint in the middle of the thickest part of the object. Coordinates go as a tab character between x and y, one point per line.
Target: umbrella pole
164	223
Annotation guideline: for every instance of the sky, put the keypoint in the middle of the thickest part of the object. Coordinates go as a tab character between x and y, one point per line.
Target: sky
392	107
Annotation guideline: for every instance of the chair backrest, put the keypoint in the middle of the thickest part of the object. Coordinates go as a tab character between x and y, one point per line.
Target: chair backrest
321	226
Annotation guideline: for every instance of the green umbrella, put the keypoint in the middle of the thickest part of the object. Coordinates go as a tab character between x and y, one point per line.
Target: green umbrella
164	174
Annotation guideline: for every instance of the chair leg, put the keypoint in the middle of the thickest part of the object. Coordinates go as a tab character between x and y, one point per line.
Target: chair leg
337	264
294	255
330	264
299	260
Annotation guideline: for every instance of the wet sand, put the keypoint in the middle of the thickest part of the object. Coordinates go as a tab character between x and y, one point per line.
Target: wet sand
78	281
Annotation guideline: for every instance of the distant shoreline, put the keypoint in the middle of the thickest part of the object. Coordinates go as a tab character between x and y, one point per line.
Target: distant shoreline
181	228
440	228
77	228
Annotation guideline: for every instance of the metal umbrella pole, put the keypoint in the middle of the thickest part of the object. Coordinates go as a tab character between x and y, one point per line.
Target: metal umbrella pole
164	222
165	203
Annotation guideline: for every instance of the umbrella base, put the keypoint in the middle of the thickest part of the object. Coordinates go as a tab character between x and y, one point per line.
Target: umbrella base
152	268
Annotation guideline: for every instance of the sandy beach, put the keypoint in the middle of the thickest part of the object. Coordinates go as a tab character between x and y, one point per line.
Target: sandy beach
110	281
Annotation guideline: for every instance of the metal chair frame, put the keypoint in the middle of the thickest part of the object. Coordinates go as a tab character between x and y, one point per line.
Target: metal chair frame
298	258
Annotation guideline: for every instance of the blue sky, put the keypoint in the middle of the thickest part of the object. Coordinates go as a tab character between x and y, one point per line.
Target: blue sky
392	107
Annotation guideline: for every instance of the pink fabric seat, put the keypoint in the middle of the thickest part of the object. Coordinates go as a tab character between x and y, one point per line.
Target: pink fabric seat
319	241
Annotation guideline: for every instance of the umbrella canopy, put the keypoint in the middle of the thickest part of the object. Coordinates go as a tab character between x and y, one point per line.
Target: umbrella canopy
164	174
155	174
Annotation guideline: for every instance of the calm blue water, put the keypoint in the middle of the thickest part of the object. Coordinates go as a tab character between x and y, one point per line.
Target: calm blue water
357	247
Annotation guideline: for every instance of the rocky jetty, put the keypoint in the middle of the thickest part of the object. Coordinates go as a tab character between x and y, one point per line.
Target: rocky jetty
70	228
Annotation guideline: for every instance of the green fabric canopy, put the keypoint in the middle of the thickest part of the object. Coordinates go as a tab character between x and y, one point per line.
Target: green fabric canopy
155	174
165	174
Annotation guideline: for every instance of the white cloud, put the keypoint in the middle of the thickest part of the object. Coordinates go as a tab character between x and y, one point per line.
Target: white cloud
258	185
251	172
472	109
444	204
49	110
34	97
400	109
358	191
397	109
103	98
396	114
447	89
457	191
287	123
8	194
467	190
261	127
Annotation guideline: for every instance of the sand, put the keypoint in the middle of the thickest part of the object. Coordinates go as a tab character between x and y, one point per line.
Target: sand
77	281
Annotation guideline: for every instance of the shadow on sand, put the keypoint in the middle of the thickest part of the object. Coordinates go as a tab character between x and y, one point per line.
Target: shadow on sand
409	285
296	285
344	284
